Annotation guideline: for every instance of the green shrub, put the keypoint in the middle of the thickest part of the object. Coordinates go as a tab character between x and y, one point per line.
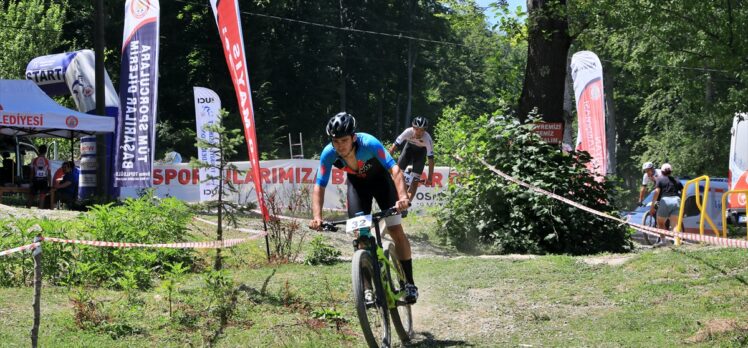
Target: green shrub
485	210
18	269
142	220
321	253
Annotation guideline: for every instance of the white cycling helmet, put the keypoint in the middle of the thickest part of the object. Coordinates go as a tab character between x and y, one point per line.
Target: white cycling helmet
647	165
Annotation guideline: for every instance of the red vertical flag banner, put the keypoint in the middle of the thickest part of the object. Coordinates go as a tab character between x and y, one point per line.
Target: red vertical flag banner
230	31
587	73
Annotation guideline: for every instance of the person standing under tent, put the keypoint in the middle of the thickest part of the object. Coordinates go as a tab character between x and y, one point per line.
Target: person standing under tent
40	176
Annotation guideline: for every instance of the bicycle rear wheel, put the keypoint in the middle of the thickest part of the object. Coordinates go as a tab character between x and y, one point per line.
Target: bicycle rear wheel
372	315
402	316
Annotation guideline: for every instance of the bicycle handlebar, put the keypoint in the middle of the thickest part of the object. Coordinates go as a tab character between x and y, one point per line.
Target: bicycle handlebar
331	226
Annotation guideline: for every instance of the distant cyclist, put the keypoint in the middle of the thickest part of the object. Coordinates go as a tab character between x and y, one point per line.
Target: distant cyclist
372	174
650	177
416	145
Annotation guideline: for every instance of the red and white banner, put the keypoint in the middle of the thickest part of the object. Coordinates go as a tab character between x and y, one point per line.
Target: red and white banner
587	73
207	107
738	171
291	180
230	31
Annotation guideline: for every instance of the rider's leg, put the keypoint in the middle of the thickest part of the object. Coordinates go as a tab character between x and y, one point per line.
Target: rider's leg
386	196
663	213
419	161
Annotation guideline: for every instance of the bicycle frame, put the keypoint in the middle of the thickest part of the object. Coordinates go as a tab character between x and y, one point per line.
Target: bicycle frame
389	294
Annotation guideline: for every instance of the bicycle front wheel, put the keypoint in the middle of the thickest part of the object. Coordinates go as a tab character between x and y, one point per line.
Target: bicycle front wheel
651	221
402	317
372	308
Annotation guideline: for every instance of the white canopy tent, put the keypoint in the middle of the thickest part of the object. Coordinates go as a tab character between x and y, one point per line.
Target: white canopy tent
25	110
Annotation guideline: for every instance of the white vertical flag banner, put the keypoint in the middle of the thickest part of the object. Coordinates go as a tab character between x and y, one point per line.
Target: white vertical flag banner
136	124
587	73
207	107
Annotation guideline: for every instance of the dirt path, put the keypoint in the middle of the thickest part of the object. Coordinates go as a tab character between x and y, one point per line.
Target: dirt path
7	211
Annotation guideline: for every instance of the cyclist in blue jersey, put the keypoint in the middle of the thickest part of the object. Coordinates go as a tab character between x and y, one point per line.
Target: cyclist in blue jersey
371	174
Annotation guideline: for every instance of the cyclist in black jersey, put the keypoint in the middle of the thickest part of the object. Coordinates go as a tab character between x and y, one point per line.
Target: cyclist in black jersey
371	174
416	145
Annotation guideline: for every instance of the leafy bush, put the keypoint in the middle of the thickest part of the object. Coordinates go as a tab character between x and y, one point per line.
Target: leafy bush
18	269
142	220
321	253
486	210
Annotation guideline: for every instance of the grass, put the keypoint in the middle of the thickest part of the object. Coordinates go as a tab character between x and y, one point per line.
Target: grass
691	296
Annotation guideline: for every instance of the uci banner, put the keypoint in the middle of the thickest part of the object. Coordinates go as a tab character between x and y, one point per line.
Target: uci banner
135	133
207	107
230	31
587	73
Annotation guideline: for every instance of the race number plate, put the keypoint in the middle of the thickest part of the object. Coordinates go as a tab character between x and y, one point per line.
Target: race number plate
357	222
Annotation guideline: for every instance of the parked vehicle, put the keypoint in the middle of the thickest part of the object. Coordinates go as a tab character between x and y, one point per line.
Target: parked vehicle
691	213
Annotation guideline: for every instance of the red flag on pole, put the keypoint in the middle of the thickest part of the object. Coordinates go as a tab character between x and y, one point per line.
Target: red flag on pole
230	31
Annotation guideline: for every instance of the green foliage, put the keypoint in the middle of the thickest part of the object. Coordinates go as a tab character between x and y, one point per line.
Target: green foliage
172	279
677	75
29	29
486	210
321	253
140	220
18	269
222	148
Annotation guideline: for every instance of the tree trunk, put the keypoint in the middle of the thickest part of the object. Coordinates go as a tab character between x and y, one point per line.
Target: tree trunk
397	114
568	106
547	48
342	82
380	111
610	119
409	107
219	230
37	254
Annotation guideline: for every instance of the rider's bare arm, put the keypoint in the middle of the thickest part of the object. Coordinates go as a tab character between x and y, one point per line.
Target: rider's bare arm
431	171
393	148
642	193
318	200
402	191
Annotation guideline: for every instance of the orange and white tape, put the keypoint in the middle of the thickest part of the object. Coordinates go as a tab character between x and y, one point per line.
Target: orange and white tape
734	243
216	244
247	230
19	249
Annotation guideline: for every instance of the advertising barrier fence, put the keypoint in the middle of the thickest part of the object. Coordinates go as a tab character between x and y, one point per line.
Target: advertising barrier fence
289	179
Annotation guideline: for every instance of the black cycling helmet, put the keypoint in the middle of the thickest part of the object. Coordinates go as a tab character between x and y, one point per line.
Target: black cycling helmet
341	125
420	122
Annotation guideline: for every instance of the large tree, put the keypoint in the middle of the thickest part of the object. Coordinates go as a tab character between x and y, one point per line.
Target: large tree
547	47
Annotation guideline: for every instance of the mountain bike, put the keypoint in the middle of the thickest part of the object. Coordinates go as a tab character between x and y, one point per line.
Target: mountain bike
378	281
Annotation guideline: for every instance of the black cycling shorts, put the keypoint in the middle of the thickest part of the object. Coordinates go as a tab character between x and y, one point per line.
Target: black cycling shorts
414	155
377	185
39	186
